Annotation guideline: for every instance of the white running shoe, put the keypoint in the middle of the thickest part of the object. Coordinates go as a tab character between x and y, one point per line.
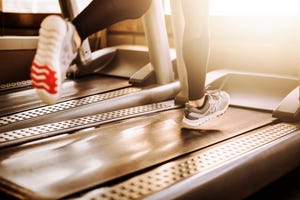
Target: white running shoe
215	105
55	52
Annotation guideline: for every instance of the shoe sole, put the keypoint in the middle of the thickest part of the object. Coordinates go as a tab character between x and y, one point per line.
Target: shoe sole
46	68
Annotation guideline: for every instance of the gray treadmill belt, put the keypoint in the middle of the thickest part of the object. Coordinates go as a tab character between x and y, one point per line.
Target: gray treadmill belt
19	100
63	166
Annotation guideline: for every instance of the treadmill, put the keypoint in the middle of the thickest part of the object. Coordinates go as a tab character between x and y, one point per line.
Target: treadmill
116	133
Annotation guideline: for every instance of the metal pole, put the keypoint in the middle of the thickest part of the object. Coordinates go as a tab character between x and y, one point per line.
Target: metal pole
69	10
157	39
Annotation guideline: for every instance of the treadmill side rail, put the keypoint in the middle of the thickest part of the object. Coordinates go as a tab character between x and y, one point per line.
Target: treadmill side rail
289	108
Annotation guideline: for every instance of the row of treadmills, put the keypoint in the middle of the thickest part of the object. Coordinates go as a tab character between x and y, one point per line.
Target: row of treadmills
116	132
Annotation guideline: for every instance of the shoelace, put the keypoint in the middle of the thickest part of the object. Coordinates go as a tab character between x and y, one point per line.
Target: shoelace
214	99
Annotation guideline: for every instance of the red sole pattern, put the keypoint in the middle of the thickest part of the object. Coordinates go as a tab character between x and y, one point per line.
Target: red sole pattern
48	78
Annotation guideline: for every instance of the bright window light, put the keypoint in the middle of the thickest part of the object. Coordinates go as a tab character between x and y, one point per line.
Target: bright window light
167	7
248	7
254	7
82	4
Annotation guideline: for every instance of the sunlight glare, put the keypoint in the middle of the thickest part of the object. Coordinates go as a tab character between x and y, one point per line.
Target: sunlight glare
254	7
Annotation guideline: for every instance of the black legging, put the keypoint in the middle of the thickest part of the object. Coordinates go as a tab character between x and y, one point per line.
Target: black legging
100	14
196	46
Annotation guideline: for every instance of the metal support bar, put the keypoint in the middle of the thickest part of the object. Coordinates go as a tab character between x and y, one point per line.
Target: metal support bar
289	108
69	9
157	39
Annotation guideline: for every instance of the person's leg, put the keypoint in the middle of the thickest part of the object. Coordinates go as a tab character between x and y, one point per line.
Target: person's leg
202	105
196	47
59	41
100	14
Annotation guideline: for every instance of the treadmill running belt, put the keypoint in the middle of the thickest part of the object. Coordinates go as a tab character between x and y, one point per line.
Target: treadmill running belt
21	100
66	165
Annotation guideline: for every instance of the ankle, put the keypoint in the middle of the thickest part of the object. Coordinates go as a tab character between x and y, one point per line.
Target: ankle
77	39
197	103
